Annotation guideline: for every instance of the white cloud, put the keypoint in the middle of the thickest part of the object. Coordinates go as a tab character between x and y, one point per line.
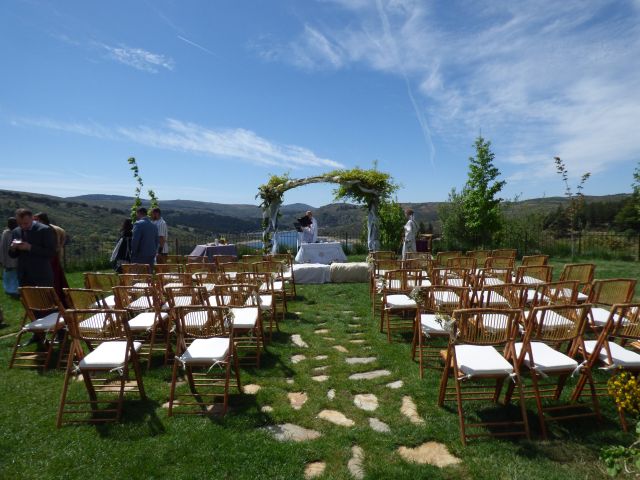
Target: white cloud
539	78
240	144
139	58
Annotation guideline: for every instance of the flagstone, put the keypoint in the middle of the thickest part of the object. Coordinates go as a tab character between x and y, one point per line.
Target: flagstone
337	418
409	410
432	453
369	375
340	348
290	432
297	399
366	401
355	463
314	469
395	385
251	389
379	426
360	360
298	358
298	342
320	378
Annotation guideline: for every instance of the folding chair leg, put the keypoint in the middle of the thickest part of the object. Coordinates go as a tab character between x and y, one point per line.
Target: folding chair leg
15	348
65	387
541	419
523	407
444	381
172	391
463	433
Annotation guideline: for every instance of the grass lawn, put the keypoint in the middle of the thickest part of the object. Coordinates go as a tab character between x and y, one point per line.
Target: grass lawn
149	444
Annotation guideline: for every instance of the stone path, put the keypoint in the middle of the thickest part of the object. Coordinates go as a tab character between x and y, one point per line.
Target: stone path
369	398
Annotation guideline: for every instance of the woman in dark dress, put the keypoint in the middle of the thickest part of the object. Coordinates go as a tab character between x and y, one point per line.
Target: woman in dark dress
122	252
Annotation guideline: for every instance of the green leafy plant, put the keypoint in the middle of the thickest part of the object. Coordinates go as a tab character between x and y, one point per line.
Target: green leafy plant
624	388
137	202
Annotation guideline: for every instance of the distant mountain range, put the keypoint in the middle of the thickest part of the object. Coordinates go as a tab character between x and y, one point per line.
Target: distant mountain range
100	216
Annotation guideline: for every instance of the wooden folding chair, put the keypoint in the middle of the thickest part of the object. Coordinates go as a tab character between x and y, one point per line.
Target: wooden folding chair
104	282
442	257
416	256
606	293
244	303
472	356
44	319
454	277
491	276
467	263
555	293
145	315
436	303
288	275
231	269
383	255
175	259
169	280
397	307
535	260
252	258
265	284
581	272
532	277
137	280
194	268
278	287
547	329
112	351
609	351
505	252
376	279
220	259
197	259
499	263
210	280
136	268
204	341
168	268
480	255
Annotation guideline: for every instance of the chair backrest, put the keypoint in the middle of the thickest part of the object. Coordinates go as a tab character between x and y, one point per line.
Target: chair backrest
441	299
442	257
534	274
237	295
492	276
624	321
424	264
505	252
203	321
485	326
493	296
499	262
219	259
136	280
479	255
469	263
426	256
276	268
199	267
209	278
402	280
556	293
234	267
197	259
385	264
251	258
556	323
169	268
97	324
136	268
186	295
100	281
85	298
612	291
137	299
263	281
452	276
582	272
383	255
166	280
174	259
535	260
40	301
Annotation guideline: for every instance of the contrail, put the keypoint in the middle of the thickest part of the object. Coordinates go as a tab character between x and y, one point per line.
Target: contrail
424	125
204	49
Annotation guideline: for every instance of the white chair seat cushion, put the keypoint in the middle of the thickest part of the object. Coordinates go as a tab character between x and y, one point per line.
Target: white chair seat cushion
244	317
206	351
582	297
480	360
107	355
43	324
141	303
493	298
446	298
209	286
601	315
620	355
109	301
400	301
174	285
553	320
546	359
531	280
141	285
266	302
431	325
94	323
146	320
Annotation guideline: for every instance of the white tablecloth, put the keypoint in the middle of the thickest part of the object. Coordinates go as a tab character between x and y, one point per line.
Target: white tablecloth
312	273
325	253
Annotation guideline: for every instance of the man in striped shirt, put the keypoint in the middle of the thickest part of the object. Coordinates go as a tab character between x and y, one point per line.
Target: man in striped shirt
163	232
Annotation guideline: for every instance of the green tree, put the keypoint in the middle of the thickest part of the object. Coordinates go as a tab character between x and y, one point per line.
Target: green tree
392	220
480	203
576	202
453	223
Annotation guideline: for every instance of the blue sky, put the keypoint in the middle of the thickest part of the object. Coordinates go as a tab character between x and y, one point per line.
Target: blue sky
213	96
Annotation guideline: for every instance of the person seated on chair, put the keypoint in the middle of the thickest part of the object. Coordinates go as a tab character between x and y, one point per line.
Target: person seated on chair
310	234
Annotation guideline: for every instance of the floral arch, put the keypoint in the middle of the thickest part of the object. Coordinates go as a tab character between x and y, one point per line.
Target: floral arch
368	187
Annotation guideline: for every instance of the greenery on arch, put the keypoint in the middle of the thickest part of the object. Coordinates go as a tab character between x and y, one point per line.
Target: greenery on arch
364	186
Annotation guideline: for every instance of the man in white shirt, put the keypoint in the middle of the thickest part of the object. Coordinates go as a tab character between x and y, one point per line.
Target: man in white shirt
311	232
163	233
410	233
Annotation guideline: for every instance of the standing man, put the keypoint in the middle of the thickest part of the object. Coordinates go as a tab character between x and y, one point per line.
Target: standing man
144	243
163	232
312	229
59	279
410	232
34	245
